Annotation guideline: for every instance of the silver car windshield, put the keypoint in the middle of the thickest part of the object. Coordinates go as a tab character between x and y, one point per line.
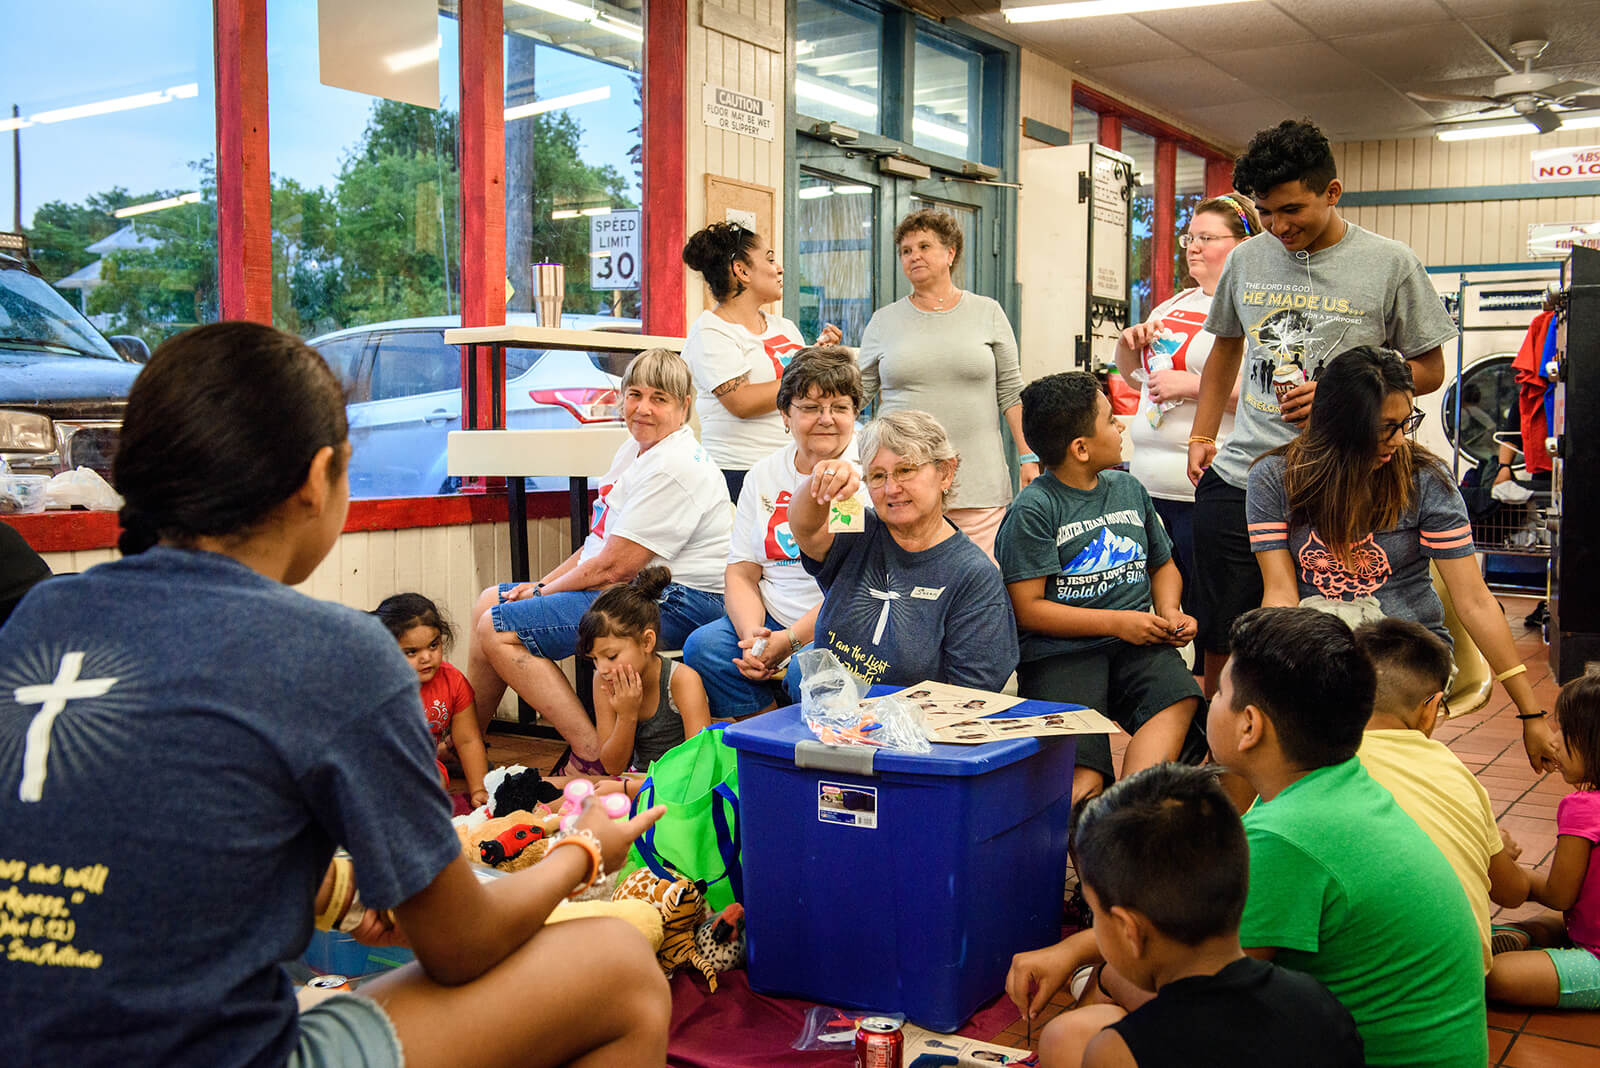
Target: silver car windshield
34	315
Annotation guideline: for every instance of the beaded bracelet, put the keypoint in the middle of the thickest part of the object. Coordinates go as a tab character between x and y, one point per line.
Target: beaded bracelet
584	838
1202	439
1511	673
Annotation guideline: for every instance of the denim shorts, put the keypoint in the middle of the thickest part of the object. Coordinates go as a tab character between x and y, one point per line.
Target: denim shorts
1578	971
548	625
346	1031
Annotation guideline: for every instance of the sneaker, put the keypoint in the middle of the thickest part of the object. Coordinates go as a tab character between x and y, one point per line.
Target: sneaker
1075	911
1511	492
1080	981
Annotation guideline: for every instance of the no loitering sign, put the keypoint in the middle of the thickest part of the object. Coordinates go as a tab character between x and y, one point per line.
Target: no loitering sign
1566	164
733	112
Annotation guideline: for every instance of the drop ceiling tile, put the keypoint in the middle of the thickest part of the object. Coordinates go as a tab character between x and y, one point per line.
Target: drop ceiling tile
1170	83
1361	114
1340	17
1236	123
1407	57
1208	30
1312	67
1574	37
1530	9
1091	43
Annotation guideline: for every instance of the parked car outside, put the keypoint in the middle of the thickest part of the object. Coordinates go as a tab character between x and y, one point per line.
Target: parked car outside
63	385
404	387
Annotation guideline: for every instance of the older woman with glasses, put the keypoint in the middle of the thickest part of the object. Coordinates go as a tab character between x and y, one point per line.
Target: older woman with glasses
910	597
1347	517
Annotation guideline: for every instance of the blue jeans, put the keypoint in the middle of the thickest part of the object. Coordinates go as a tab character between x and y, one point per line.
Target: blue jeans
548	625
711	651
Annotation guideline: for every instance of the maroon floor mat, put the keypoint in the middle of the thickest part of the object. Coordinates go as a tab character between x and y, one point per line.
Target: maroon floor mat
738	1028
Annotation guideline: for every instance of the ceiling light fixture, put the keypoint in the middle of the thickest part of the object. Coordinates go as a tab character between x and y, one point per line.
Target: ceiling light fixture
853	103
1472	131
814	192
556	103
600	20
1088	9
121	103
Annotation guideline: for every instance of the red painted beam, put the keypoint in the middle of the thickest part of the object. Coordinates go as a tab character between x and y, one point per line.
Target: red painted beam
1110	132
1219	177
244	178
483	204
1111	106
666	43
1166	224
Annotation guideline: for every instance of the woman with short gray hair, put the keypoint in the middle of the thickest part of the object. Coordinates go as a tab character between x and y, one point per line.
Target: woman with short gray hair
909	598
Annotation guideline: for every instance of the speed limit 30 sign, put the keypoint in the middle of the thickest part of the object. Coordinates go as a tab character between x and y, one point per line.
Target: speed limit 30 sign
614	250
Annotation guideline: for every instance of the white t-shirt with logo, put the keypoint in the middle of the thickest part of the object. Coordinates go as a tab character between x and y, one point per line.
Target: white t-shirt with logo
1161	453
761	533
673	501
718	351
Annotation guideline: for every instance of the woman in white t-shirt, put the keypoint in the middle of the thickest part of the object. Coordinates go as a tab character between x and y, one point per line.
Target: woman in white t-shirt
737	352
1175	341
662	502
772	603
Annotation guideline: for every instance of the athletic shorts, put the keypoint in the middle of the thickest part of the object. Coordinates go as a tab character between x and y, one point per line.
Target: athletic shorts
346	1031
1128	683
1579	973
1227	581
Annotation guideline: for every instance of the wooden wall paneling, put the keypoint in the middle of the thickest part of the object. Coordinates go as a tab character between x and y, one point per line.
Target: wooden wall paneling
1477	163
1494	236
1370	166
747	84
382	579
1474	242
1454	225
1404	164
1388	151
1436	234
715	72
408	573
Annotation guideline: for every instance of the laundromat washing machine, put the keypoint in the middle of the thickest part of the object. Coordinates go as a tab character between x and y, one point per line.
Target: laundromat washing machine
1493	310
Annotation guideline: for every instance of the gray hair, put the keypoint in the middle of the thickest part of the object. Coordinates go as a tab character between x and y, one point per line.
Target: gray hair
914	436
661	369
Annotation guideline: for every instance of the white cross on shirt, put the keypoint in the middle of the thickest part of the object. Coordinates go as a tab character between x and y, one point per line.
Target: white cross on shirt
53	696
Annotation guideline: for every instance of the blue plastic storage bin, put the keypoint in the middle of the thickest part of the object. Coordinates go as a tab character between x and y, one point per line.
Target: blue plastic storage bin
883	880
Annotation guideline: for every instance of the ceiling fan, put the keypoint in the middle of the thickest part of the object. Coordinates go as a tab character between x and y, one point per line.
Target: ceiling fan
1529	94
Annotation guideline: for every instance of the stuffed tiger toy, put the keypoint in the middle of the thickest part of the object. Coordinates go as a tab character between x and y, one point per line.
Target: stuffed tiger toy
682	905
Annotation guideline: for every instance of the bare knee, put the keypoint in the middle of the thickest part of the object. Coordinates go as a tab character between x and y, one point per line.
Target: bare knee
1068	1035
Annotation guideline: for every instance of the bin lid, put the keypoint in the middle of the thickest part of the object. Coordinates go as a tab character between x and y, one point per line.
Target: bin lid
776	734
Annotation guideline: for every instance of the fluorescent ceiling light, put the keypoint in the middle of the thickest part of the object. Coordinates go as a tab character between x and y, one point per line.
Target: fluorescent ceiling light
13	124
1468	131
156	205
853	103
565	213
600	20
814	192
1088	9
411	58
852	190
940	132
121	103
605	210
556	103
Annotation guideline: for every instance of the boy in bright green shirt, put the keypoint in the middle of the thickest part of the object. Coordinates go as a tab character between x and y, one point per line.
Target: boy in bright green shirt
1343	884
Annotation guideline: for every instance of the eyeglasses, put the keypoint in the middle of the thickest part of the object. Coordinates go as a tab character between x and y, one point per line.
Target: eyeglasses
901	475
1409	425
1185	240
844	410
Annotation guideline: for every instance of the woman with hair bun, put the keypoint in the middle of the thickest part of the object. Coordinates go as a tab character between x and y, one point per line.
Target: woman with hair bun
184	739
737	352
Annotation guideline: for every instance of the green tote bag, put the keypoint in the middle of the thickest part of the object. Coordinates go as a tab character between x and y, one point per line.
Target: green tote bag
698	838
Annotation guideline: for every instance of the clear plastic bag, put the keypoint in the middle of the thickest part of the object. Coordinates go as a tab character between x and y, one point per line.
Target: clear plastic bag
831	702
835	1029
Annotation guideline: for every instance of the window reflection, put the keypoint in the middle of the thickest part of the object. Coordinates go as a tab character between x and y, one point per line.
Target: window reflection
947	93
1142	147
1189	190
837	56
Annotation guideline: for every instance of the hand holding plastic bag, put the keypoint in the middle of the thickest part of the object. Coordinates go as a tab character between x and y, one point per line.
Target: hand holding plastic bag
831	702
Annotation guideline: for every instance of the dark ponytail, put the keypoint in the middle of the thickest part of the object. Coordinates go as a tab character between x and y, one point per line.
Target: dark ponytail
221	428
714	250
625	610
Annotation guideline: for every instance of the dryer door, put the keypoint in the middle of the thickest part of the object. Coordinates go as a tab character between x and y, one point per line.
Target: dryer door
1488	405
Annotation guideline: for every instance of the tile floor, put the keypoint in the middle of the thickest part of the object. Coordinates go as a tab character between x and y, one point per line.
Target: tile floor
1489	741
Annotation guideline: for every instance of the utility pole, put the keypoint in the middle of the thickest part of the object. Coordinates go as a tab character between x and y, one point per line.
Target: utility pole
16	171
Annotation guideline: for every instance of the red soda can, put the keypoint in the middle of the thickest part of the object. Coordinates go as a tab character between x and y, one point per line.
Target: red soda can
879	1043
330	982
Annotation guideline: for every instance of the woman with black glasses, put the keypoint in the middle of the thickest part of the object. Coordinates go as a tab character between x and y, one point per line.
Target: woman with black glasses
1348	516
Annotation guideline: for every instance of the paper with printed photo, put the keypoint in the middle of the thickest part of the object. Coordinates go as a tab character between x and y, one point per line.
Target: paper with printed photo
1053	724
944	704
968	1052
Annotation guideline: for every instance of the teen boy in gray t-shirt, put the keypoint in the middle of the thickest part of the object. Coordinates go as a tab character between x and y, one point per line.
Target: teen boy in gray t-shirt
1309	287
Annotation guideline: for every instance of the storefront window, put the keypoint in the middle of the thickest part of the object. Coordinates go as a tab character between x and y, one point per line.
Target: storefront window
837	56
1189	190
1142	147
948	90
1085	125
113	133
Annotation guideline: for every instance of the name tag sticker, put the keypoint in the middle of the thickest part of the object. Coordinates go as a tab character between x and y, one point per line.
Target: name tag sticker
927	593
